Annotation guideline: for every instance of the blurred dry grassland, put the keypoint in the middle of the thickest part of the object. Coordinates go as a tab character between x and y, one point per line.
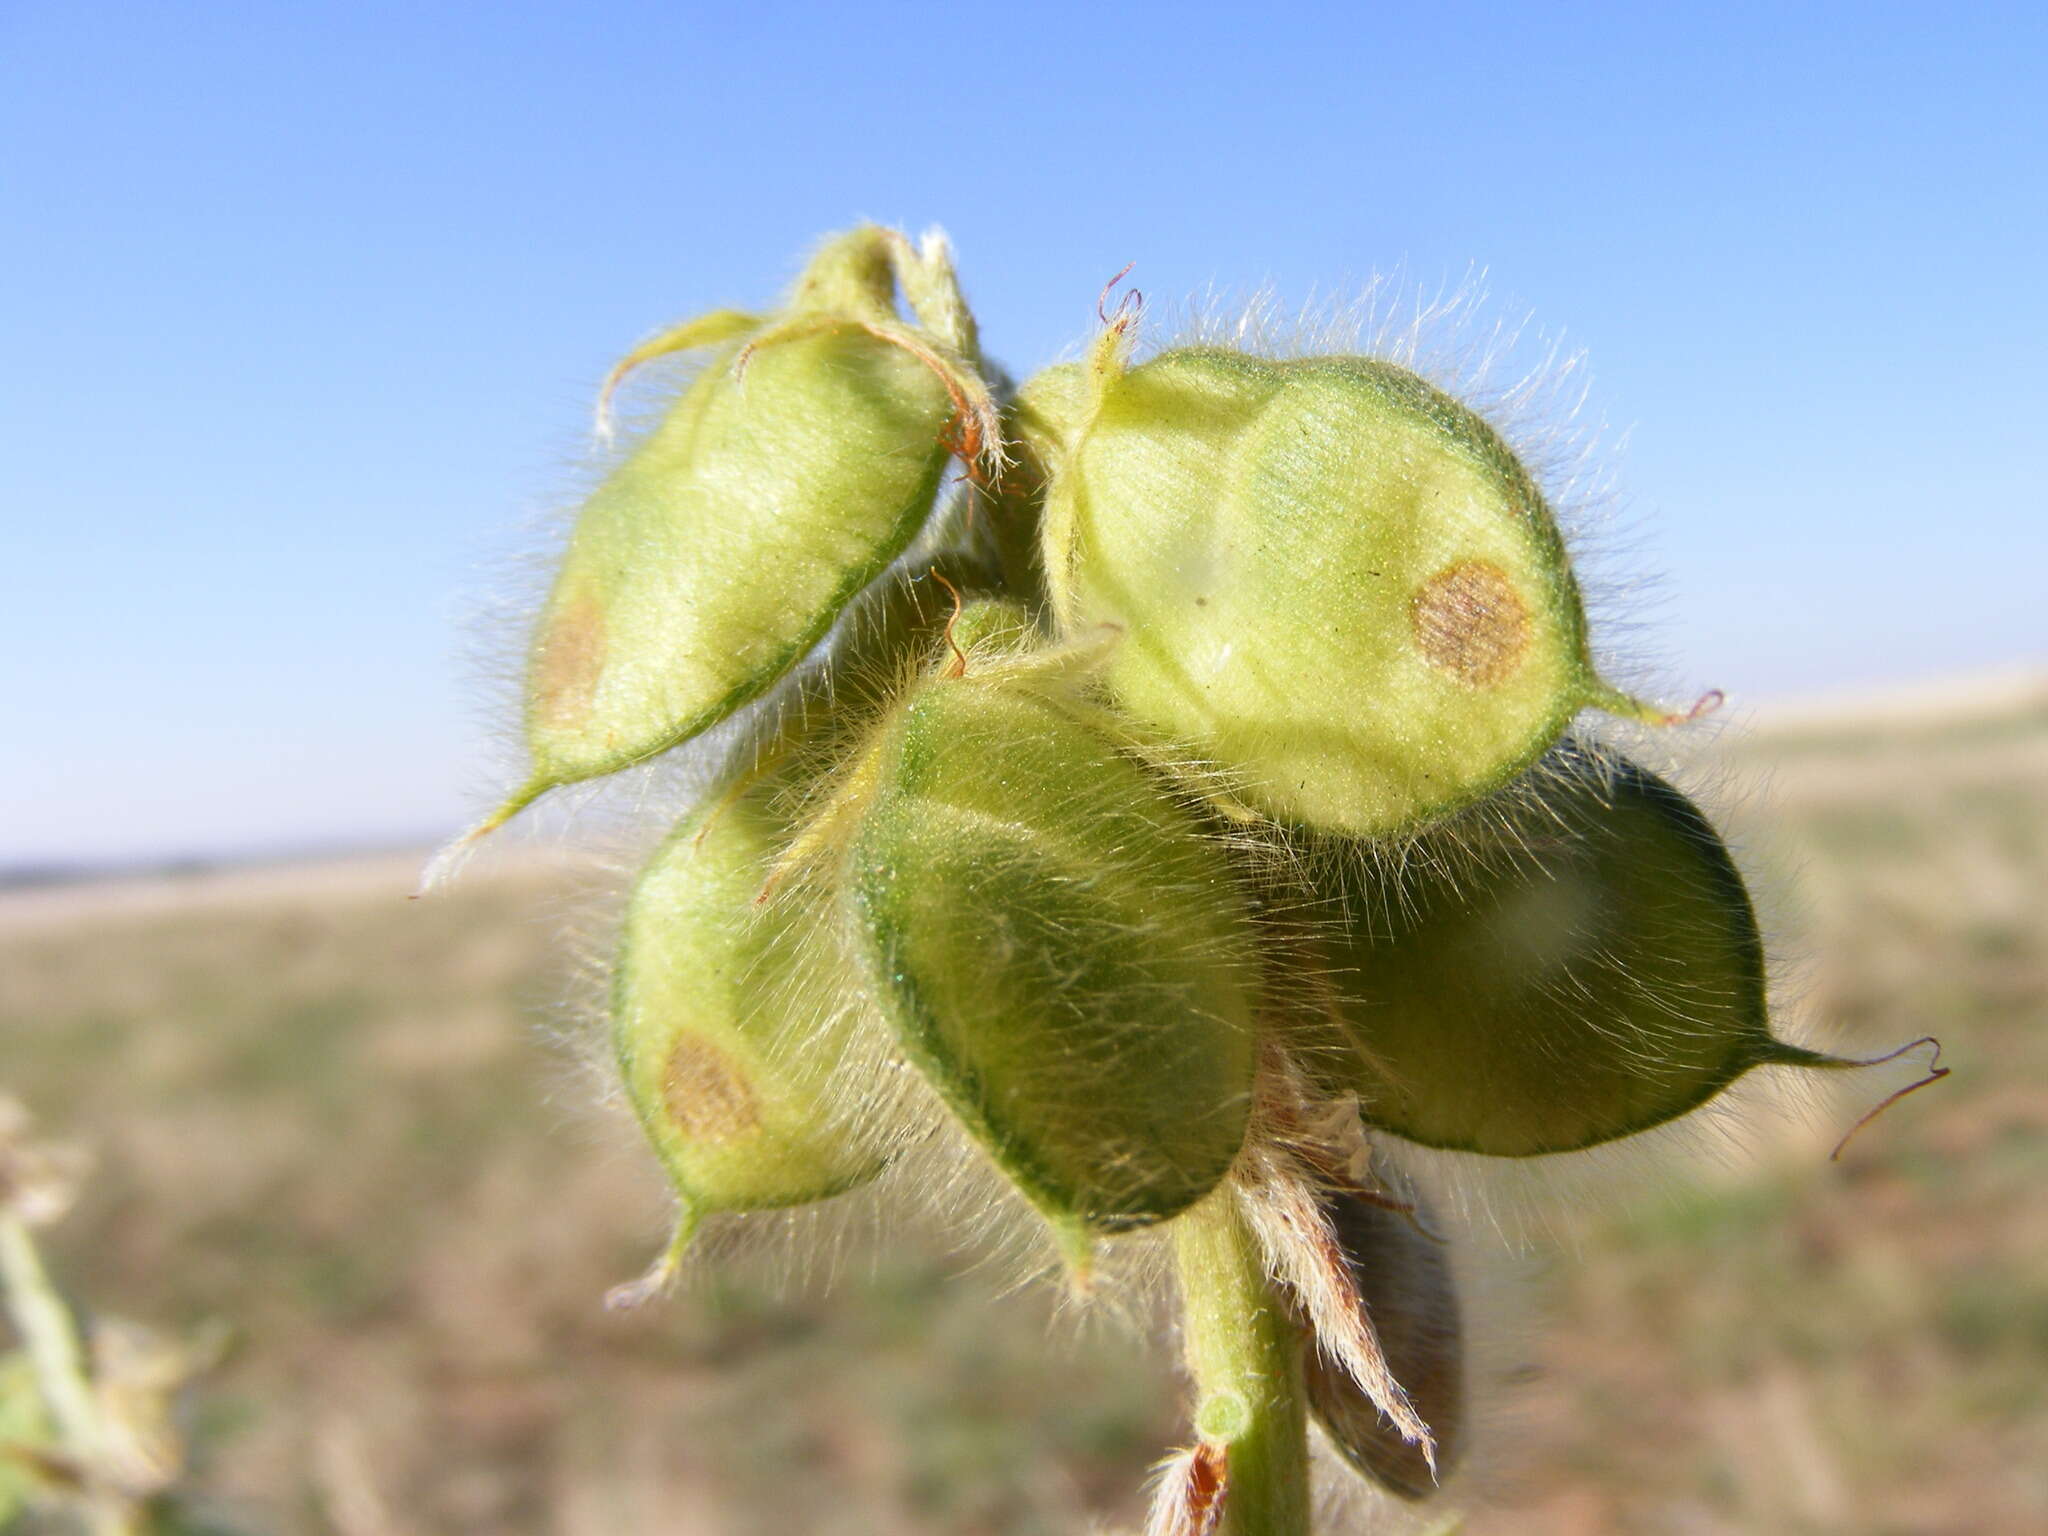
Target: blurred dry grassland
336	1119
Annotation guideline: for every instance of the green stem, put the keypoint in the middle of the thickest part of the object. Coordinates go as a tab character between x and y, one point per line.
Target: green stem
50	1338
1245	1357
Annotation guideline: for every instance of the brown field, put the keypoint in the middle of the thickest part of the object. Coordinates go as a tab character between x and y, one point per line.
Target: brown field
341	1122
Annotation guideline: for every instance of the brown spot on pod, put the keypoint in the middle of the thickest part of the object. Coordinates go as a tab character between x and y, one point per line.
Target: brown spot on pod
706	1094
1336	581
742	1035
567	662
780	483
1469	621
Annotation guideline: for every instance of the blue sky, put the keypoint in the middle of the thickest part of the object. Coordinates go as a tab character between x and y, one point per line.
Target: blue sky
306	303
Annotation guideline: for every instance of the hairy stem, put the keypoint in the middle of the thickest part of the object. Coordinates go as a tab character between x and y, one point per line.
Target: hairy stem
1245	1358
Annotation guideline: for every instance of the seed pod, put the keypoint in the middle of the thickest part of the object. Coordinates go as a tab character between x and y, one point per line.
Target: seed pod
1057	947
1336	580
1049	409
1403	1279
801	461
741	1029
1587	967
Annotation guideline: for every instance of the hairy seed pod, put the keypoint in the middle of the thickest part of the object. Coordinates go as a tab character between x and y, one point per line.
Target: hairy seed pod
802	460
1057	946
1586	968
1336	580
992	625
1047	413
737	1023
1403	1279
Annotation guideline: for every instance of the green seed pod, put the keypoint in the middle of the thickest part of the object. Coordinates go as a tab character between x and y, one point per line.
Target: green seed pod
737	1026
1587	968
1336	581
1057	946
1403	1277
995	625
802	460
1047	413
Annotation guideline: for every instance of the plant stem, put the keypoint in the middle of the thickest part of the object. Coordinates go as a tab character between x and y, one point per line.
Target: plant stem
1245	1357
50	1338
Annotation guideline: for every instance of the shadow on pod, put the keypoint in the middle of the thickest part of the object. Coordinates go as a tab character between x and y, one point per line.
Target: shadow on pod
1579	964
1056	943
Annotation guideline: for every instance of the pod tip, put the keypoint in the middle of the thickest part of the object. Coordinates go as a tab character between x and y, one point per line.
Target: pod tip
1076	1246
1628	707
661	1275
448	860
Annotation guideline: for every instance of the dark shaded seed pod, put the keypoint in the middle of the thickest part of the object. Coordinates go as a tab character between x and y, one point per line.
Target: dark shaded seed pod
1403	1277
739	1027
892	634
1009	508
1047	413
803	459
1059	948
1336	581
1586	967
1037	424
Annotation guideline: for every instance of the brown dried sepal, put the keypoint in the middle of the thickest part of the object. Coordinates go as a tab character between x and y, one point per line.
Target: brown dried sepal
1194	1485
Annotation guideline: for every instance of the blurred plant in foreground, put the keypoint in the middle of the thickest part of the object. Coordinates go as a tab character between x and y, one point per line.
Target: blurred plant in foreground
1182	827
92	1436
